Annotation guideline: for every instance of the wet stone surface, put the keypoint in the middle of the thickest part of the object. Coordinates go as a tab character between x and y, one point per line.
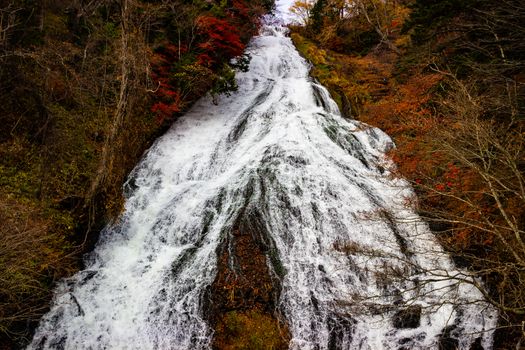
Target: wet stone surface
408	318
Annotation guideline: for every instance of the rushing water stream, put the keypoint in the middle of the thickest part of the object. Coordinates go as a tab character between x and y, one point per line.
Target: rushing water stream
349	254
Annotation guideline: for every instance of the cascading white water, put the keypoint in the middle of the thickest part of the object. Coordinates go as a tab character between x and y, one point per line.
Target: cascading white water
349	252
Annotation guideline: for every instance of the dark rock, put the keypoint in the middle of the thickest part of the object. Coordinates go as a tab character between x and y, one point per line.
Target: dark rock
447	341
408	318
477	345
341	328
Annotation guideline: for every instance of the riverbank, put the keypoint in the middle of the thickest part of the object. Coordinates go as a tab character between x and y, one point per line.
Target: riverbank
450	94
86	89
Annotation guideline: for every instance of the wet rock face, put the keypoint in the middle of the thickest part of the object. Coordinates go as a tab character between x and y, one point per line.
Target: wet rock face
447	341
243	296
408	318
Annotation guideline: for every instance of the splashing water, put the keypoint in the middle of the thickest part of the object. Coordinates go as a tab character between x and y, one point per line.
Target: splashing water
357	268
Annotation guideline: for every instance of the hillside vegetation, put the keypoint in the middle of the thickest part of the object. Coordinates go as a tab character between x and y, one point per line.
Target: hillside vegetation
446	80
85	87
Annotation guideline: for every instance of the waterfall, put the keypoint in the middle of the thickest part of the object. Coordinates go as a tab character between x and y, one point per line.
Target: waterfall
357	268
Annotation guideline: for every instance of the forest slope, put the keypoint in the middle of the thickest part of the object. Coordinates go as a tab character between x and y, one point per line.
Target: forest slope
86	86
446	80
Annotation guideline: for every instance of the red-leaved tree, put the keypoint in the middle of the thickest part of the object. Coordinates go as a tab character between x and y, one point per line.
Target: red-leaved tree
220	39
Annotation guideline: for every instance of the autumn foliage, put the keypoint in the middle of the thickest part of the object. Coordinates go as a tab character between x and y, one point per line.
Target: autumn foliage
168	98
220	39
86	87
445	80
187	66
